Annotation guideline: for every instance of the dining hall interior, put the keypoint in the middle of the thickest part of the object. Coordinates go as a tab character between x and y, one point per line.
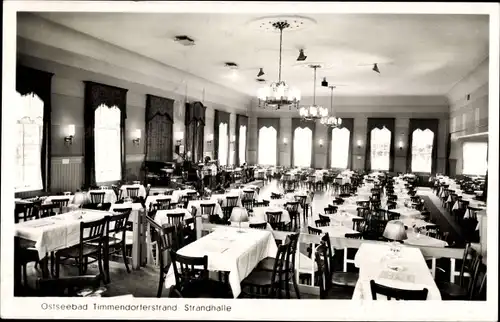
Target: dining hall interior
237	156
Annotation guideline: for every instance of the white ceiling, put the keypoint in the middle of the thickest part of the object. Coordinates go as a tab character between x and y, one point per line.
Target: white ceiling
417	54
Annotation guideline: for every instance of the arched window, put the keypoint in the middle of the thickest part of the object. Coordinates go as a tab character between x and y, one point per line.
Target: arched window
340	148
421	150
302	147
268	137
242	144
107	135
475	158
380	148
29	138
223	144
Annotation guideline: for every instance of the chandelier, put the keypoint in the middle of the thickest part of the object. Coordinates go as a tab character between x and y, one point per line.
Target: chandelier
331	120
314	111
279	94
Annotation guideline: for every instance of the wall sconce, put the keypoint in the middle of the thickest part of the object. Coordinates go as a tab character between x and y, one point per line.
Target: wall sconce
70	133
136	137
320	142
285	141
178	136
210	138
400	144
359	143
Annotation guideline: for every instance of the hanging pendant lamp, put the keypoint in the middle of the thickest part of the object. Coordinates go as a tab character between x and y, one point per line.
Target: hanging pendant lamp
331	120
313	112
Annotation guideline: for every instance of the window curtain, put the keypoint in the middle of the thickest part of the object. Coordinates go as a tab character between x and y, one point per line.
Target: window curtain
270	122
423	124
195	130
299	123
448	151
95	95
159	128
220	118
29	80
379	123
347	123
241	120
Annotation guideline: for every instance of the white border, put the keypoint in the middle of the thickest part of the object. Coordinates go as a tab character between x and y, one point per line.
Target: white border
250	309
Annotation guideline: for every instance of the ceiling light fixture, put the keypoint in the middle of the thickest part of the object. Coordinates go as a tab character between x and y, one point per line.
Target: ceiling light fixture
324	83
301	57
331	120
279	94
375	68
313	112
261	72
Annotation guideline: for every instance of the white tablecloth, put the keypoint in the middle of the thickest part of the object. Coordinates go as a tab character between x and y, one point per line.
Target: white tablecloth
152	199
56	232
259	213
407	212
134	214
372	261
141	193
338	231
230	251
240	193
49	199
223	197
177	194
161	217
423	240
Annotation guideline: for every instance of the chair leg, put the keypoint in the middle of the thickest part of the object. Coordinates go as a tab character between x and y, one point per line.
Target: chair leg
160	284
57	266
101	270
295	286
125	258
25	275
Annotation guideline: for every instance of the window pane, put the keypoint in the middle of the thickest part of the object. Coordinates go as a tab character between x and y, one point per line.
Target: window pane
302	147
107	136
267	146
421	150
475	159
28	142
340	148
223	144
380	149
243	144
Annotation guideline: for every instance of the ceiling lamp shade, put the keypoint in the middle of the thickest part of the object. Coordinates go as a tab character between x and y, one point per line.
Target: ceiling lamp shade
313	112
331	120
279	94
375	68
261	72
301	57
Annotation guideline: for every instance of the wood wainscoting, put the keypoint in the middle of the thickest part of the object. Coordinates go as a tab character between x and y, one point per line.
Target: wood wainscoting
67	173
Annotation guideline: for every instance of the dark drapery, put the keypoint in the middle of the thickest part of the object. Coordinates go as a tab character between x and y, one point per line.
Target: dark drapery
159	128
299	123
448	151
269	122
220	118
379	123
29	80
348	124
422	124
195	130
241	120
95	95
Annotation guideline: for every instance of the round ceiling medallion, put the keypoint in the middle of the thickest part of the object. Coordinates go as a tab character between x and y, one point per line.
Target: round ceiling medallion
293	23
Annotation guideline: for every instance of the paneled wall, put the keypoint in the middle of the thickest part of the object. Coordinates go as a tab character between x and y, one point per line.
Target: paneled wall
360	108
468	111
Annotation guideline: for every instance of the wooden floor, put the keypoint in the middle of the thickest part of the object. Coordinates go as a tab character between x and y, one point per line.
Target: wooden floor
144	282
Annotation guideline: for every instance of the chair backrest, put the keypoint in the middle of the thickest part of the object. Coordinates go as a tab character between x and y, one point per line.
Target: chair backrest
279	275
397	294
259	225
358	224
380	214
322	223
166	239
301	200
92	231
97	197
163	203
478	290
117	224
248	195
133	192
47	210
330	210
247	203
363	211
273	217
176	219
391	205
188	269
67	286
363	204
207	209
353	235
292	206
392	215
314	231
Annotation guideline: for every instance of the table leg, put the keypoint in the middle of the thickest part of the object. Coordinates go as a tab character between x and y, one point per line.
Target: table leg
136	246
144	246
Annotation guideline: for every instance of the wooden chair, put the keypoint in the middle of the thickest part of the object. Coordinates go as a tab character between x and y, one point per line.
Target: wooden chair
115	240
393	215
358	224
324	218
90	232
163	204
133	192
184	201
61	203
67	286
176	219
380	214
247	204
97	198
363	204
293	210
191	278
354	235
397	294
274	219
47	210
322	223
330	210
363	212
28	211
